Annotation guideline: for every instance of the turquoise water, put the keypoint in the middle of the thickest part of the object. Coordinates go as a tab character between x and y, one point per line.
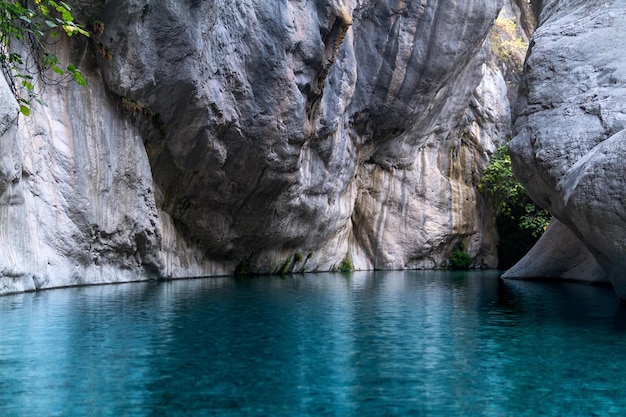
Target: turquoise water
365	344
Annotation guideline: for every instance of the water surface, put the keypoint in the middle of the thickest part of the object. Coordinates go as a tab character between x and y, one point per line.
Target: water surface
365	344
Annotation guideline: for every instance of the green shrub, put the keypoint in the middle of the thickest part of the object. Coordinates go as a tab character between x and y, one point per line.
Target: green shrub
460	260
346	265
507	45
285	268
520	221
509	197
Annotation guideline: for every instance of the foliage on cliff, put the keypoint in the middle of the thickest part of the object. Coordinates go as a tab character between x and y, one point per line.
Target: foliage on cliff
27	32
507	44
460	260
520	221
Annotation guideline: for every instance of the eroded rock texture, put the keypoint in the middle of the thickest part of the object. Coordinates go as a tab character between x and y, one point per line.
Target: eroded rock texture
570	134
259	137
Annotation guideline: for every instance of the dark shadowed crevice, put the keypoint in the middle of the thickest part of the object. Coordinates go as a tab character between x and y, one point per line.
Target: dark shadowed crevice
332	41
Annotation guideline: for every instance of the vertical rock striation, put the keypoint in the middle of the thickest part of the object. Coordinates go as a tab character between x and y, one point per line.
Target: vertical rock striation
570	137
257	137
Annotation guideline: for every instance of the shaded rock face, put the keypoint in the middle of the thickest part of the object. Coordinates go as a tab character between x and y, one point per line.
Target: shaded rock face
570	137
559	254
262	137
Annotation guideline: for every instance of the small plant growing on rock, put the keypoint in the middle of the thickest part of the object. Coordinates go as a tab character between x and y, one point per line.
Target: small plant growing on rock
286	266
131	106
460	260
346	265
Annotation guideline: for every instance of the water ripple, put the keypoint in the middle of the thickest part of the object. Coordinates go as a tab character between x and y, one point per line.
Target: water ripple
365	344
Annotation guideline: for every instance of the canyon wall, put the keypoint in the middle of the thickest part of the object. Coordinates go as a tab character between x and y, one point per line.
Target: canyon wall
254	137
570	138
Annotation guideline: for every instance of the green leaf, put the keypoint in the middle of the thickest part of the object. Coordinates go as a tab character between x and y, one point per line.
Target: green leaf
25	110
78	76
80	79
67	16
82	31
69	30
29	86
15	58
50	59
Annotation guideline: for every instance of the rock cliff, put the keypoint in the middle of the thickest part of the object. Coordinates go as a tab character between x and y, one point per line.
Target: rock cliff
570	140
253	136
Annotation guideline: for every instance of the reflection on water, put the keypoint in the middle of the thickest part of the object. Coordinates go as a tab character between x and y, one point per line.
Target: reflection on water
383	343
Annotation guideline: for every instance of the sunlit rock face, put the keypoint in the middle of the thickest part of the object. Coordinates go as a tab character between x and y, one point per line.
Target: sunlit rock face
259	137
570	137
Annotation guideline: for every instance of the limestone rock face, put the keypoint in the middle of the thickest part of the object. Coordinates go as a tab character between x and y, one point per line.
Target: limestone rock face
570	132
10	161
258	137
78	207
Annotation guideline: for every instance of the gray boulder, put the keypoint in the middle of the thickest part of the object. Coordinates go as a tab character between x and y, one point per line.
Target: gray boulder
569	133
559	254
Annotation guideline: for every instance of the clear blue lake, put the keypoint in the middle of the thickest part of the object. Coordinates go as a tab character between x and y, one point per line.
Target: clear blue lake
418	343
